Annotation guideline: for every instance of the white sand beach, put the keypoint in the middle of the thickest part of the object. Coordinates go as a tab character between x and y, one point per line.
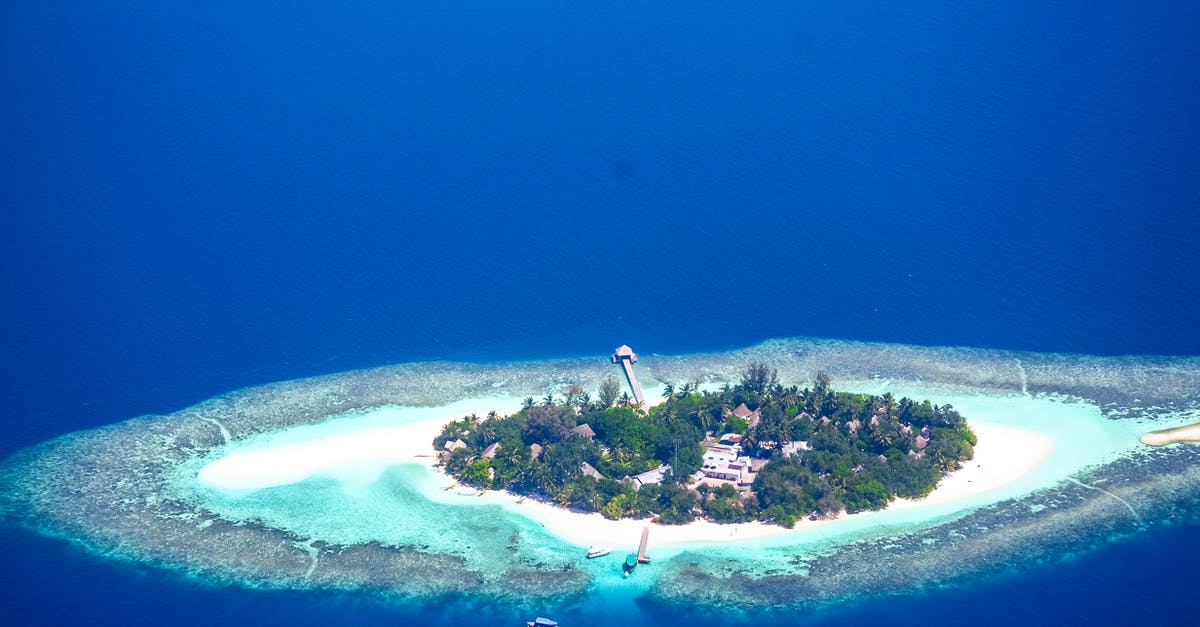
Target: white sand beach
1004	455
1186	433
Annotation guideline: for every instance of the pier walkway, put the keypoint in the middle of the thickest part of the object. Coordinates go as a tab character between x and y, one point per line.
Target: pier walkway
626	357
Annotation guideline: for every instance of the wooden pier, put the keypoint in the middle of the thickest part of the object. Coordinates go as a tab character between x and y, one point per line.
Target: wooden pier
633	559
626	357
642	558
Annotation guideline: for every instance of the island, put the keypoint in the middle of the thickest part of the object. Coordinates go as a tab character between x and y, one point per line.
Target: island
753	451
329	483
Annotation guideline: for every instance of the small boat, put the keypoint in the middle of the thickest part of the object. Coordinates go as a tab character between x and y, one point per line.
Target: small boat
631	562
598	551
541	621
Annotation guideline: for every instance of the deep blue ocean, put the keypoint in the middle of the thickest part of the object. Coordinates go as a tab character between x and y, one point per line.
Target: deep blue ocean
201	196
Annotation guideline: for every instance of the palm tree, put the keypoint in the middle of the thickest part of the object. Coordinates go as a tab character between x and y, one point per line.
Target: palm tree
487	432
701	419
889	402
527	403
571	396
790	398
625	400
669	392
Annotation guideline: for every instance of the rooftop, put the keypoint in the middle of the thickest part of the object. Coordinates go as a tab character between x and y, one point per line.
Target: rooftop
624	352
651	476
590	471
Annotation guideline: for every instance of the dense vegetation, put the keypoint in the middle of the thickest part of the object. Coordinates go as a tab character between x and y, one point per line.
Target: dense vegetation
860	451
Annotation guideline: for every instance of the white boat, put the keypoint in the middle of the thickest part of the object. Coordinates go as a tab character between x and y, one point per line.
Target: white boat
598	551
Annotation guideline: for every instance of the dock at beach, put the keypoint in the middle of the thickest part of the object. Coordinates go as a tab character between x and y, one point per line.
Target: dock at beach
642	558
633	559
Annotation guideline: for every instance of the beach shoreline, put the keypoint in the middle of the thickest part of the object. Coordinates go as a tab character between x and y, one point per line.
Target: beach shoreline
1186	433
1004	455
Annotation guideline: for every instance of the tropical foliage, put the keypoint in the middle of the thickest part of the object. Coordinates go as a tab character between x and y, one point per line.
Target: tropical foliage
825	452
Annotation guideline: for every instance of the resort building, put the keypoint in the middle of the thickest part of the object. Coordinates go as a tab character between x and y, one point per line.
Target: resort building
731	438
923	440
449	447
725	463
794	448
651	476
590	471
752	417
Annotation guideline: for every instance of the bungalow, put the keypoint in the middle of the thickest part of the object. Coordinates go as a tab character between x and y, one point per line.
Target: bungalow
449	447
794	448
590	471
584	430
743	412
731	438
651	476
535	451
490	451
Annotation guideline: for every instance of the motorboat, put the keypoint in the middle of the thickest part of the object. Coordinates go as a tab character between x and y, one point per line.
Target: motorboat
598	551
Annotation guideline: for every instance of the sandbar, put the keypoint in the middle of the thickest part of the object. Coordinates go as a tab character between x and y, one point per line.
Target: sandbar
1186	433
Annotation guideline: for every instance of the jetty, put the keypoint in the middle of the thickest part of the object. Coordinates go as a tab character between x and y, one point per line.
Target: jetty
633	559
642	558
626	358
